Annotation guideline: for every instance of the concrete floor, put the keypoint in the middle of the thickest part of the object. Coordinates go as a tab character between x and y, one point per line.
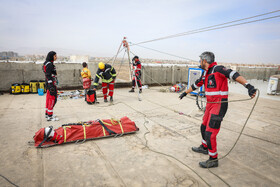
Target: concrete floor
158	155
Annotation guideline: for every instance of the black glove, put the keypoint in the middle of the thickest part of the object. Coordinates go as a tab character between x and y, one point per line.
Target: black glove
251	89
52	89
184	94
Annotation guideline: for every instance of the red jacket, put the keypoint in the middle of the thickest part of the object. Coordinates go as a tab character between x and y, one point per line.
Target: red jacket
215	81
50	72
137	66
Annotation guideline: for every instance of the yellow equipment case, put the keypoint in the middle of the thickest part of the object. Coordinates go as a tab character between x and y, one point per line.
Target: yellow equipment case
25	88
33	86
42	85
15	88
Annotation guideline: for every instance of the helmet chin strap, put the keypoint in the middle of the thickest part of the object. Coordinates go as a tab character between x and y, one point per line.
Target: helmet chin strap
46	135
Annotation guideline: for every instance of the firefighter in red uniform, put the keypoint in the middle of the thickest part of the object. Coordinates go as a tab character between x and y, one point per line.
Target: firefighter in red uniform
108	75
137	74
51	82
216	90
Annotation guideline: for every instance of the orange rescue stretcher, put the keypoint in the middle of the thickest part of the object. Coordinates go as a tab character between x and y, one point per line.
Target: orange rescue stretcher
74	132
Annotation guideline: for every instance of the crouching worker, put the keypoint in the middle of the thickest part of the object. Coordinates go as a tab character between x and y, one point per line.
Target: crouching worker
86	75
51	82
215	82
108	75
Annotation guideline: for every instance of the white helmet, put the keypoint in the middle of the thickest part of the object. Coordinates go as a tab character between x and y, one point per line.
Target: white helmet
47	129
172	89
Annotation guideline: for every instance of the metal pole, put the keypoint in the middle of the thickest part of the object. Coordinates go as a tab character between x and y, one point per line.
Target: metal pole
132	72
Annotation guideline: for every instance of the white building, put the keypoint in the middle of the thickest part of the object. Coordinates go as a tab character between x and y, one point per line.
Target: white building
79	59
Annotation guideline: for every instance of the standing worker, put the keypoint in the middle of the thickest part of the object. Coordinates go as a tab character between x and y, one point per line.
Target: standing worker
136	74
85	73
51	82
215	82
108	75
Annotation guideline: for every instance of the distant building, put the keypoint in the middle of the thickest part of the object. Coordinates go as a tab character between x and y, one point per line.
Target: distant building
5	55
79	58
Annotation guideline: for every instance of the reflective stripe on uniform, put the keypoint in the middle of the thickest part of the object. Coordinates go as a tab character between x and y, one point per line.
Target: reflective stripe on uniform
49	81
195	85
50	110
203	141
231	74
217	93
212	154
107	81
47	63
95	84
213	69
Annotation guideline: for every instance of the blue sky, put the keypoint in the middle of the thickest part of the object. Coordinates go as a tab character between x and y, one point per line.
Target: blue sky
96	28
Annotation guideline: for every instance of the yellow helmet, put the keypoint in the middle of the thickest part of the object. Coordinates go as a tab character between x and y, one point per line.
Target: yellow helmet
101	65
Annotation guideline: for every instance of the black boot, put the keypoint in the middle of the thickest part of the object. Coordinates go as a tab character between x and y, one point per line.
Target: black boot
140	91
105	100
132	90
210	163
200	149
111	99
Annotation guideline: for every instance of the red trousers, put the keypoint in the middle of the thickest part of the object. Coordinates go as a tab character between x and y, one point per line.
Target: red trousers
50	102
210	126
138	78
105	88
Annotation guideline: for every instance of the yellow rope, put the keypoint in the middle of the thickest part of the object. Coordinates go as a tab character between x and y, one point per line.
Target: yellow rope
106	123
64	128
85	136
121	126
104	131
113	121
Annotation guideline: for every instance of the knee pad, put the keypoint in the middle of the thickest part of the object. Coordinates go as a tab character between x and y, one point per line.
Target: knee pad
215	121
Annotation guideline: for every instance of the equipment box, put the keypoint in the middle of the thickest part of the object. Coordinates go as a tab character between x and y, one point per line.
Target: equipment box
273	85
194	74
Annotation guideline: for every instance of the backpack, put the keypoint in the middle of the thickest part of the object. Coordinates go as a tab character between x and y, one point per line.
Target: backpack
91	97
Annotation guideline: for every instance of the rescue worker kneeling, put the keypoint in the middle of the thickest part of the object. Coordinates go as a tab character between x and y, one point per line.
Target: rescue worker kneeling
108	75
215	82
